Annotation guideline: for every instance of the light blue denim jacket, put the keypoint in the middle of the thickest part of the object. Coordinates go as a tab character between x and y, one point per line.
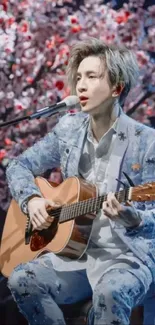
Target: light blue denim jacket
133	153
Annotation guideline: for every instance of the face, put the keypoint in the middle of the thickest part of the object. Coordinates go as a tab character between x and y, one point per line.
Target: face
93	86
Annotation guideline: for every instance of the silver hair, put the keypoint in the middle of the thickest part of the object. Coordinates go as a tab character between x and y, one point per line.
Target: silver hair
121	63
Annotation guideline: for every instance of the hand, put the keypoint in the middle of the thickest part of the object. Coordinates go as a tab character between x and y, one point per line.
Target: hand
38	214
127	216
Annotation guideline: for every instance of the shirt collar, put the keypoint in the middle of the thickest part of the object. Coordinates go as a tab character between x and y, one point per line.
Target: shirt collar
116	113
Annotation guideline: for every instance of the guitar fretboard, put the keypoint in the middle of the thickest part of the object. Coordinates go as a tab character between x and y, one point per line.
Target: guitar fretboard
71	211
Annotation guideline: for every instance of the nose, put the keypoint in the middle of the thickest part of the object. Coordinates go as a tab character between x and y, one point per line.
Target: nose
81	85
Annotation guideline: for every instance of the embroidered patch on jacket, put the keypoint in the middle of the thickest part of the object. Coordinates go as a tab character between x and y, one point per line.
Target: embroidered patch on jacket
138	132
150	160
136	167
30	274
122	136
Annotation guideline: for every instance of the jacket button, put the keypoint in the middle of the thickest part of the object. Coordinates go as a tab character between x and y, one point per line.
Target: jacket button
67	150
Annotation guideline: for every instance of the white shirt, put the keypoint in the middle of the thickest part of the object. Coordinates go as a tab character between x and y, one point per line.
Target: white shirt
105	245
105	250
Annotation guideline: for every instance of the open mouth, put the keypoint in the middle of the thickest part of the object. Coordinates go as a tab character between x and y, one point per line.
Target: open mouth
83	99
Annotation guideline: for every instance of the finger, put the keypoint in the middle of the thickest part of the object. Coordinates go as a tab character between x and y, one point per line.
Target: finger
45	216
115	204
38	228
43	223
34	225
39	220
106	209
33	221
44	213
111	208
40	217
52	204
108	214
41	228
110	200
105	205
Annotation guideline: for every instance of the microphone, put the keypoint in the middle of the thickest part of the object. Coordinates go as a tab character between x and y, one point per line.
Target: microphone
62	106
67	103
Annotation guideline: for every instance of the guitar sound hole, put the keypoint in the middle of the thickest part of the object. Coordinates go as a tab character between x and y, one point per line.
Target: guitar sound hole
80	221
42	238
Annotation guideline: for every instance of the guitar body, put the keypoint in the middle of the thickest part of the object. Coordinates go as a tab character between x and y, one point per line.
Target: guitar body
71	237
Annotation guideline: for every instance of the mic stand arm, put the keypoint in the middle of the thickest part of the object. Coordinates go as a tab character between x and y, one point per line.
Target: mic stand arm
49	111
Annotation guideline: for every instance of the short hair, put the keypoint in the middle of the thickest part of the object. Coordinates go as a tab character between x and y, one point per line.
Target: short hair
121	63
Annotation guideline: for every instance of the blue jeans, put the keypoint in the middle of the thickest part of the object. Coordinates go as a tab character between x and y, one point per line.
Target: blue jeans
39	290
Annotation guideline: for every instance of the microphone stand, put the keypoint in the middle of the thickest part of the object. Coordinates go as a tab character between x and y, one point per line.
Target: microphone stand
49	110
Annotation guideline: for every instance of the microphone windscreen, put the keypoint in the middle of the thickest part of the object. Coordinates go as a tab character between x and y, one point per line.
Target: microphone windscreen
71	101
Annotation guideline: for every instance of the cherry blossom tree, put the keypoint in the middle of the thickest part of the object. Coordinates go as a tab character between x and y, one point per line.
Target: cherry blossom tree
35	40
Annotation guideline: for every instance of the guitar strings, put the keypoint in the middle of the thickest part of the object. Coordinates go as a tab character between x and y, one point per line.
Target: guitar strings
86	208
83	203
92	203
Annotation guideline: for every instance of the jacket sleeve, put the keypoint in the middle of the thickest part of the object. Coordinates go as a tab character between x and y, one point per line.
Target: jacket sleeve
22	170
147	210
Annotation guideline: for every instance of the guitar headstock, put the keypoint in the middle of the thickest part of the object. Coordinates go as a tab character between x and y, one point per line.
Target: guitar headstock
144	192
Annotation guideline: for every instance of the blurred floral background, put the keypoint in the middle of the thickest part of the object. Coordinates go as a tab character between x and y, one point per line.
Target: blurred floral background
35	40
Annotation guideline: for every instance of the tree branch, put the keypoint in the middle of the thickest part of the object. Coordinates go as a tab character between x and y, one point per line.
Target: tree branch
132	109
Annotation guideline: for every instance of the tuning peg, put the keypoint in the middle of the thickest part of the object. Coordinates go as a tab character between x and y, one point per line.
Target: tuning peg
131	183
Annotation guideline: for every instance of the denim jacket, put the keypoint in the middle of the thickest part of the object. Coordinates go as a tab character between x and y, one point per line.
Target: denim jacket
133	153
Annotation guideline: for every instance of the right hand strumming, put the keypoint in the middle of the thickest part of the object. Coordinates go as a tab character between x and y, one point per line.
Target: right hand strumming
37	212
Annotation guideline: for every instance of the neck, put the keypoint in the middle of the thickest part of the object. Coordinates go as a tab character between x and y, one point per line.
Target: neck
101	123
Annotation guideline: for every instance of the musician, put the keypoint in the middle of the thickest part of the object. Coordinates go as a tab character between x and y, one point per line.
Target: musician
99	144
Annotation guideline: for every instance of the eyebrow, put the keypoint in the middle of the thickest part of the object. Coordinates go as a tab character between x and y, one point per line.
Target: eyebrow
87	72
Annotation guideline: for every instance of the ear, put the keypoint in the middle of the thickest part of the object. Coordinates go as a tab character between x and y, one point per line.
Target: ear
117	90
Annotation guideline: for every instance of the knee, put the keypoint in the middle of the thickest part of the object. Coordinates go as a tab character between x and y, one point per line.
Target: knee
20	280
14	280
109	292
103	294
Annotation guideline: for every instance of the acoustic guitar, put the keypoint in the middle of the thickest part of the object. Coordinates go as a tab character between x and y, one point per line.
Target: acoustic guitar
71	225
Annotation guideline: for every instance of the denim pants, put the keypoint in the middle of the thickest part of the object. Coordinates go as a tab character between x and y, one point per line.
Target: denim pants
39	291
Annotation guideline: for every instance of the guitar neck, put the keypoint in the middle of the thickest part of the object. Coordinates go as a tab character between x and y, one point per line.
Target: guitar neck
91	205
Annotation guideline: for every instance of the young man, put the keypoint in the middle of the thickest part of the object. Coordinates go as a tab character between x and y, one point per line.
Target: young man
99	144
